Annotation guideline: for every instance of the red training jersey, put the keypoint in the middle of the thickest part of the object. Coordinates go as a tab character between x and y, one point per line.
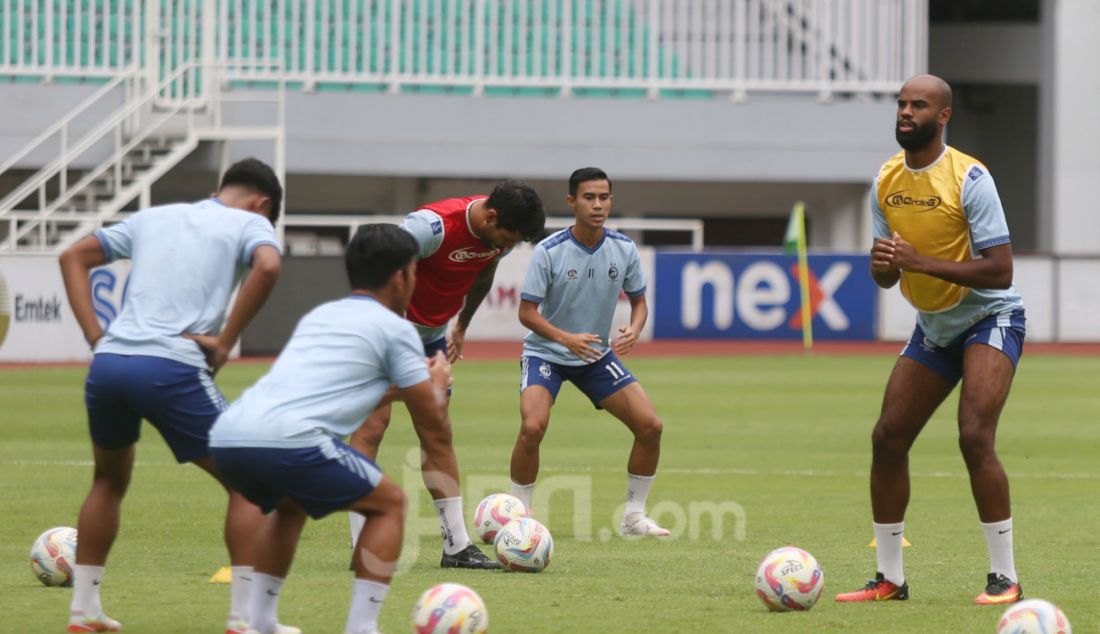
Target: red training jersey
444	278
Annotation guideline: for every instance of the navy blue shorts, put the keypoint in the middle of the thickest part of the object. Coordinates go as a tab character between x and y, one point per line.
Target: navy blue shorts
180	400
319	479
597	380
1003	332
432	347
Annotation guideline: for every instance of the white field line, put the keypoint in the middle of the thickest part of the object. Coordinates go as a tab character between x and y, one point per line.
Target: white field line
1054	475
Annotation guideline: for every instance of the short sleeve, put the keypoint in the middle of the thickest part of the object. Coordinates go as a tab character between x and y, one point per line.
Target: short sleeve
257	232
117	240
982	205
880	228
405	358
427	227
537	279
634	282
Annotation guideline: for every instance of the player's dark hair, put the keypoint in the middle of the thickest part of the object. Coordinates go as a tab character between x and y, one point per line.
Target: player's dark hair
258	176
585	174
518	208
375	253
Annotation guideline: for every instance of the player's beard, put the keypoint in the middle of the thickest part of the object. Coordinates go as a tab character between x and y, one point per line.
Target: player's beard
918	138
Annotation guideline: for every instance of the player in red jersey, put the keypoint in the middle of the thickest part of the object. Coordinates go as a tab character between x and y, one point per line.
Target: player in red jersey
461	240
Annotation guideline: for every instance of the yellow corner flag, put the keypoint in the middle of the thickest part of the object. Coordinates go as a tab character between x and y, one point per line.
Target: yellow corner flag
223	575
904	543
794	242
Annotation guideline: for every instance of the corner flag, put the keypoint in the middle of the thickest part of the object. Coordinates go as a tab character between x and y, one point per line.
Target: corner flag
794	242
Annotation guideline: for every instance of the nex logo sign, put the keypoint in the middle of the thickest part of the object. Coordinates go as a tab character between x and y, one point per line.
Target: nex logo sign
821	297
763	295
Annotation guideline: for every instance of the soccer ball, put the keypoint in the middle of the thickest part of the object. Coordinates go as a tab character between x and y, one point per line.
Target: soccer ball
525	545
53	556
1034	616
495	511
789	579
450	608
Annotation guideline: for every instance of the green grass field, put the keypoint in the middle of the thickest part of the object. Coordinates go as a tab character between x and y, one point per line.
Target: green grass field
785	438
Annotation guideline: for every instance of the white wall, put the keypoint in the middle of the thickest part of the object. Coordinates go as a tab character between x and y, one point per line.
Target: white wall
1069	127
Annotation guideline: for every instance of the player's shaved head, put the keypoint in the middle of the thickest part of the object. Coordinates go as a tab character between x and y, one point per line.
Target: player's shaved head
931	85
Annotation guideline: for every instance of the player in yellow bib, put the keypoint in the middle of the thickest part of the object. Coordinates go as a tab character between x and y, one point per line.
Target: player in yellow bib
940	230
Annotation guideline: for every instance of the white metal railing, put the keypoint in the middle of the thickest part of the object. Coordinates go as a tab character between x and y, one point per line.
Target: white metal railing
176	113
820	46
88	38
353	221
650	47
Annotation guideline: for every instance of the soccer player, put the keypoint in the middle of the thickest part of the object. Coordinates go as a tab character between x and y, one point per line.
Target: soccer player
279	444
568	301
940	230
186	260
460	242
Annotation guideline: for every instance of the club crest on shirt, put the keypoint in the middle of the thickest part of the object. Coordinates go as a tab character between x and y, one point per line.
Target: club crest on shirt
571	274
466	254
613	272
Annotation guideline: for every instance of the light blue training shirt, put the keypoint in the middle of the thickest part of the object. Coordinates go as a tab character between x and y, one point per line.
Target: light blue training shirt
333	372
577	288
186	260
988	228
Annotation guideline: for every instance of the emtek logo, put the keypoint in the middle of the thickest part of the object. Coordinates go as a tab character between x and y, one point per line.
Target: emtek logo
902	198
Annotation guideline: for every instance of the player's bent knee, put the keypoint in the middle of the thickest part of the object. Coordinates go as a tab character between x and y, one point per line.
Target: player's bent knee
386	498
532	431
976	447
650	430
886	441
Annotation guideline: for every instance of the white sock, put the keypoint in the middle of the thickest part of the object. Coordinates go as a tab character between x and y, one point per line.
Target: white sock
524	493
356	521
240	593
888	537
637	490
366	601
263	606
86	590
455	537
998	537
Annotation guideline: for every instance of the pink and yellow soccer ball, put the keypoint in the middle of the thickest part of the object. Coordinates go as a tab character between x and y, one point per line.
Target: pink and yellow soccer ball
1034	616
495	511
53	556
524	545
450	608
789	579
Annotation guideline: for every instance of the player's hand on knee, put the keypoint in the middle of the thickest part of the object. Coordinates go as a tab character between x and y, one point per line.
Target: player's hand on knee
439	367
455	344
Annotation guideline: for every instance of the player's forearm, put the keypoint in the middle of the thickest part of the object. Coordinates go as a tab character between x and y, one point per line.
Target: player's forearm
478	292
534	321
76	264
254	292
639	313
982	273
